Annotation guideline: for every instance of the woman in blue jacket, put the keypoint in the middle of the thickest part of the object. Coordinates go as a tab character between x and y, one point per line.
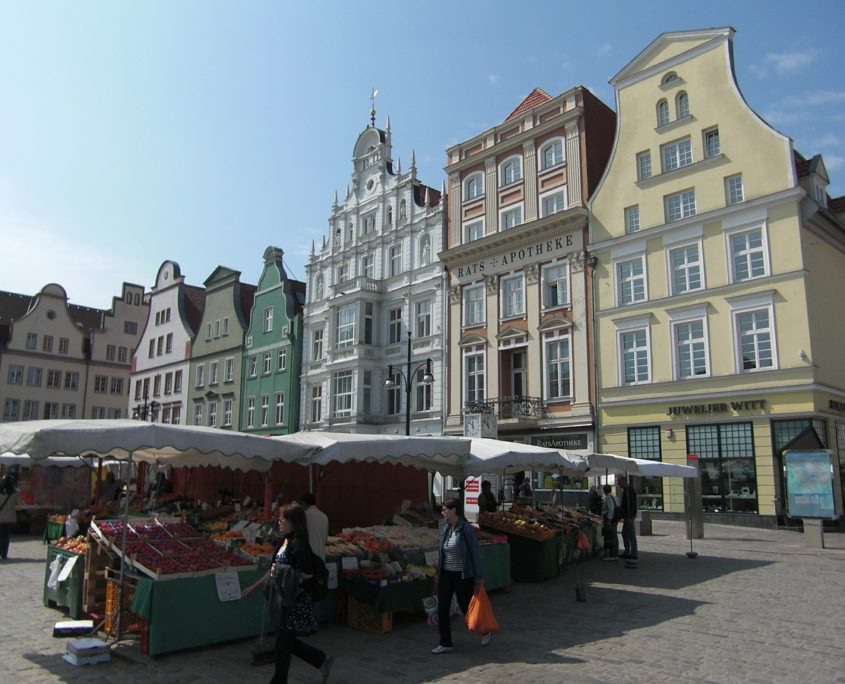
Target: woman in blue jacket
459	571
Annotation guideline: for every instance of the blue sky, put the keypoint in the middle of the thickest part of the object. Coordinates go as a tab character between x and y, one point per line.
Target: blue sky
134	132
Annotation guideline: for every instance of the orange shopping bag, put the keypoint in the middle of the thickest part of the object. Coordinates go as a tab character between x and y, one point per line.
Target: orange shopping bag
480	618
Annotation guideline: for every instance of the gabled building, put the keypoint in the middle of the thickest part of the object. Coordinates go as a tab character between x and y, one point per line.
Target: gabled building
520	344
61	360
214	392
375	301
720	260
161	362
272	359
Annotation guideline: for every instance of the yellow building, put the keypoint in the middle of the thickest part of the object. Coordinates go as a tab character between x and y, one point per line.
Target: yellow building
719	259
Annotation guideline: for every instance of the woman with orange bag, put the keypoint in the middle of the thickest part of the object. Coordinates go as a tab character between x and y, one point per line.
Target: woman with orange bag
459	571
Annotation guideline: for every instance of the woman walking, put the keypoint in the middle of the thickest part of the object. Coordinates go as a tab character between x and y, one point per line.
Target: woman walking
292	605
8	516
459	571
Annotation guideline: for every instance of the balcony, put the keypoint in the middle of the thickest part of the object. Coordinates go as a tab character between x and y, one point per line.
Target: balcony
518	408
356	284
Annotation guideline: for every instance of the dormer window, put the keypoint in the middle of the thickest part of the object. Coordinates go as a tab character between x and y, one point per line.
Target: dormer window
668	78
473	186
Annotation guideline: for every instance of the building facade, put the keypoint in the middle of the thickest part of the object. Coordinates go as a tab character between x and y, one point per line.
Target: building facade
272	360
520	344
214	392
160	365
719	256
61	360
375	302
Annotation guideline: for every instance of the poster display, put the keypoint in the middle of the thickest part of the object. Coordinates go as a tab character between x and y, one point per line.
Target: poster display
809	484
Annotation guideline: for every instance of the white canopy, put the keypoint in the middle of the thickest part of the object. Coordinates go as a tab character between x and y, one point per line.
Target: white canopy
493	455
24	460
175	445
447	455
638	466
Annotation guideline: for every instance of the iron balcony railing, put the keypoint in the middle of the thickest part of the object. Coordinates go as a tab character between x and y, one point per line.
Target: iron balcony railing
518	407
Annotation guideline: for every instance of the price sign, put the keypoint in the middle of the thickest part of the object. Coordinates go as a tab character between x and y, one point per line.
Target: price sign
431	557
228	586
349	563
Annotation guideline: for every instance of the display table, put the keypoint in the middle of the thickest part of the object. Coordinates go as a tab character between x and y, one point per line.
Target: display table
570	553
67	594
185	613
534	561
392	598
497	565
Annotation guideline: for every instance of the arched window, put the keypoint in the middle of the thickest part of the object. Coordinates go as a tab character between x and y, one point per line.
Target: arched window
510	171
403	211
473	186
425	250
551	154
682	105
668	78
662	113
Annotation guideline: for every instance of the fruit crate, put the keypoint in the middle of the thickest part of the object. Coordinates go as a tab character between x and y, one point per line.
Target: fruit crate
130	623
97	560
364	616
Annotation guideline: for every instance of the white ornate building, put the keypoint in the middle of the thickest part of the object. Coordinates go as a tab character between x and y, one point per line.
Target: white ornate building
375	296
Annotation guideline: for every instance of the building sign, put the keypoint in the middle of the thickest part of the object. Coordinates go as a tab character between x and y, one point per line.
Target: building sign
837	405
809	484
510	259
576	440
718	407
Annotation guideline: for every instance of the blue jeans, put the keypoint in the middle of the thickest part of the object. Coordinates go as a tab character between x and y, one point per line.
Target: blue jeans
629	538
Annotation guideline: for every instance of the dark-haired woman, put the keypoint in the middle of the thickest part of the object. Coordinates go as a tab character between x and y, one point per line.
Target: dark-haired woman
291	566
8	516
459	571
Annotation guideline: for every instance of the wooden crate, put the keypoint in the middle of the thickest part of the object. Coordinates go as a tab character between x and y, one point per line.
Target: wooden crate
130	623
363	616
97	560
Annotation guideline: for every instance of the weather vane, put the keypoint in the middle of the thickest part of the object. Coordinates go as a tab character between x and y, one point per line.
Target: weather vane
373	109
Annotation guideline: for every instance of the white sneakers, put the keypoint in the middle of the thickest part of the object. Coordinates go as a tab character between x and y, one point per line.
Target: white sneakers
486	638
437	650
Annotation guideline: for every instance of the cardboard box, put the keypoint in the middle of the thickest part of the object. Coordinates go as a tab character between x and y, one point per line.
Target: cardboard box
73	628
87	647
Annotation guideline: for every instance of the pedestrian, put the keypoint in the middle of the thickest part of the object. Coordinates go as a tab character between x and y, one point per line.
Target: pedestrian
594	501
318	524
290	605
9	498
608	524
487	500
459	571
628	503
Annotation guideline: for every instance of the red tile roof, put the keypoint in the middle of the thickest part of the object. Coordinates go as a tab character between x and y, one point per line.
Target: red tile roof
837	205
536	97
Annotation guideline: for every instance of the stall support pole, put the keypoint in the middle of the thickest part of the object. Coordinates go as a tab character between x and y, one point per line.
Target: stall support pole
118	625
268	493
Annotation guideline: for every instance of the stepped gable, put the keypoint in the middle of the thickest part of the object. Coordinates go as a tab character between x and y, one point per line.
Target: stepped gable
536	97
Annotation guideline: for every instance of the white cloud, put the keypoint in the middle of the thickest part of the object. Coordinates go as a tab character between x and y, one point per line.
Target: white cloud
786	62
493	78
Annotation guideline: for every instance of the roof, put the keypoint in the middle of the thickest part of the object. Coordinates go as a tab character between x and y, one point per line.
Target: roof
247	299
837	205
419	195
802	165
13	306
536	97
194	298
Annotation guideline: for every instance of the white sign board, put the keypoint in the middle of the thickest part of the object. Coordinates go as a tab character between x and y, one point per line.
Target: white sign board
228	586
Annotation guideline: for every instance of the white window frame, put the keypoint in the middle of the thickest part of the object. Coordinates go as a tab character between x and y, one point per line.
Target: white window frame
471	191
250	411
345	325
545	197
423	318
512	296
752	304
473	230
424	393
228	405
556	337
280	408
394	325
688	316
676	155
662	113
510	217
510	170
473	305
687	267
619	290
686	205
682	105
281	359
264	415
197	414
395	259
474	373
266	363
229	369
213	373
629	326
367	266
317	343
252	360
644	169
632	219
199	375
212	414
268	319
764	249
549	285
342	382
551	143
731	195
708	137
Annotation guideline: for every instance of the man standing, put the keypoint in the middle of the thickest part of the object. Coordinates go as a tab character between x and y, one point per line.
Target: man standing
628	504
318	525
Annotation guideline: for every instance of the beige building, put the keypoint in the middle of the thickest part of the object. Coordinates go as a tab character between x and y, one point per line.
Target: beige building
719	257
519	335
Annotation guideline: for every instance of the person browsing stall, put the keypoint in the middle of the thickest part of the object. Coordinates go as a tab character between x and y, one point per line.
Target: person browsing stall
318	524
608	526
487	500
628	504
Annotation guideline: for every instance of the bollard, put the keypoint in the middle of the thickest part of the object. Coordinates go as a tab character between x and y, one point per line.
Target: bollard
813	533
645	524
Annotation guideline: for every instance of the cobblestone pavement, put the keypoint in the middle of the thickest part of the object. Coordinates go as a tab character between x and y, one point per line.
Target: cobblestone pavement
755	606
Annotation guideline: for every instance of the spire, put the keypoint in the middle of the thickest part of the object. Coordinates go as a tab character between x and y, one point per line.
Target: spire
399	165
443	191
413	159
373	108
334	204
388	123
312	247
427	196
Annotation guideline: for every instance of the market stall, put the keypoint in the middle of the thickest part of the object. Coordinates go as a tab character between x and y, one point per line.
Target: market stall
63	575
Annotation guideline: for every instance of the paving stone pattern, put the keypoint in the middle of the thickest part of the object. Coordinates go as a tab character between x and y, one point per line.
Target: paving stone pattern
755	606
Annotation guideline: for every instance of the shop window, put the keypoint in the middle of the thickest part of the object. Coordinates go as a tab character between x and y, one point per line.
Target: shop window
726	461
644	442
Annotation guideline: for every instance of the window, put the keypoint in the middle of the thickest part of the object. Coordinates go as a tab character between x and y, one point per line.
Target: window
558	379
280	408
345	325
160	346
552	203
317	344
473	186
748	255
473	297
555	279
265	409
551	154
635	361
98	412
68	411
690	349
513	295
47	345
137	389
152	348
31	341
176	415
734	193
712	147
510	171
369	322
54	379
208	331
423	311
197	414
158	317
168	384
51	410
64	345
33	376
389	214
146	387
367	265
225	325
473	231
631	281
213	372
682	105
200	375
424	392
250	412
267	365
668	78
726	466
10	409
510	218
122	354
229	369
676	154
343	393
685	266
395	259
115	386
168	346
394	326
15	375
165	414
643	165
632	219
680	205
130	328
662	113
227	412
101	383
111	352
754	339
474	374
177	381
157	385
393	400
644	442
30	410
253	365
217	328
282	359
316	404
212	414
343	272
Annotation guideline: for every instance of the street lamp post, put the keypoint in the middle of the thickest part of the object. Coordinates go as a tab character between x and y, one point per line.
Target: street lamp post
407	377
148	408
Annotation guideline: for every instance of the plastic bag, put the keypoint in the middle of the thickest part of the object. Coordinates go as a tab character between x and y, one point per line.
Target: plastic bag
430	608
55	569
480	618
